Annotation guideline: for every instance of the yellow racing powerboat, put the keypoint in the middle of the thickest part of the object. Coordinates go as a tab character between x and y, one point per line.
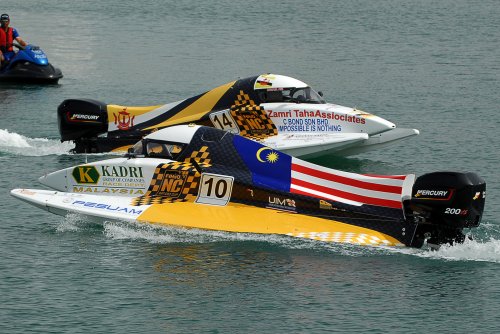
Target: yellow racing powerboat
202	177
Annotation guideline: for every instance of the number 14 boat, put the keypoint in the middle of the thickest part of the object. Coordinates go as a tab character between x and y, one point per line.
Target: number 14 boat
279	111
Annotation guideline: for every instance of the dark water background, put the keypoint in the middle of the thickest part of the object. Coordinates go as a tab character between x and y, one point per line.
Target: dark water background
430	65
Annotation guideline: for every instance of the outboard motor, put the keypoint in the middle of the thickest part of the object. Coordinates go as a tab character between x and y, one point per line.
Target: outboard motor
85	122
79	118
443	204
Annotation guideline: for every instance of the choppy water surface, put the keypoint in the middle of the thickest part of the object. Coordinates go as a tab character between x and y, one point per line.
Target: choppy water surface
426	65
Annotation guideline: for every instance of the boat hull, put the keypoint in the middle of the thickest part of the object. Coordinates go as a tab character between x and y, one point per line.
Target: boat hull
231	218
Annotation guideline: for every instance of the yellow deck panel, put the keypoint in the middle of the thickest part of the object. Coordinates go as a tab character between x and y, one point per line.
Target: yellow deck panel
243	218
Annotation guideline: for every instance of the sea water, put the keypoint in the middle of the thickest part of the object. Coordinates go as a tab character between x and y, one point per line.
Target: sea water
429	65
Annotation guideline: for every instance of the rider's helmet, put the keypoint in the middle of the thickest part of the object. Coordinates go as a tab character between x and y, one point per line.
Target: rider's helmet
4	19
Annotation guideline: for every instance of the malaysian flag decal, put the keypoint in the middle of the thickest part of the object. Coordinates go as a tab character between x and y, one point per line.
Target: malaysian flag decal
350	188
270	169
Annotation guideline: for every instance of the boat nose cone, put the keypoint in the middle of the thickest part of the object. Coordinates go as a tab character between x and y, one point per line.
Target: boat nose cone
386	123
377	124
56	180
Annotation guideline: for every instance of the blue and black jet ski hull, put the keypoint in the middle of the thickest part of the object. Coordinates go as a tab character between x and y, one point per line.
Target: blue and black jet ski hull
29	73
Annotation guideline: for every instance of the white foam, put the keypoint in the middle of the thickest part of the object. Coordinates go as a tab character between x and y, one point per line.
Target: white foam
160	234
8	139
470	250
70	223
165	234
14	143
126	231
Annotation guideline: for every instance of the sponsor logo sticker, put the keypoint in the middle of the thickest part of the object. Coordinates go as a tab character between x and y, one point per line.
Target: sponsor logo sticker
172	183
122	171
85	117
108	207
86	175
108	190
281	203
82	118
433	194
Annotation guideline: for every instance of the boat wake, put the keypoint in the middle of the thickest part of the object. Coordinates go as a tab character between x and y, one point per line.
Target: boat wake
487	250
470	250
157	234
16	144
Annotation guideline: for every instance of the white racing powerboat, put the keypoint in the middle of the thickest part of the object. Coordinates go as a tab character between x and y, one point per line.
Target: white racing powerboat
279	111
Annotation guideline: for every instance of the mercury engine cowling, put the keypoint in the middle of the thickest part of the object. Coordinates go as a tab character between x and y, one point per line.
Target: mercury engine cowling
443	204
81	118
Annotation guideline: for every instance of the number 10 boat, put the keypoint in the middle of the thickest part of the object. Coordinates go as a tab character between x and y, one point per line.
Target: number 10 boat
206	178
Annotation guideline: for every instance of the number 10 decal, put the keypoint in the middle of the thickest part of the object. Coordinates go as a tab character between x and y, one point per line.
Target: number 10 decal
224	121
215	189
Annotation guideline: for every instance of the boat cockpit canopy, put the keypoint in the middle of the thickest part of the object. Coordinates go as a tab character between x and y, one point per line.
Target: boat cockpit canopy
154	148
292	94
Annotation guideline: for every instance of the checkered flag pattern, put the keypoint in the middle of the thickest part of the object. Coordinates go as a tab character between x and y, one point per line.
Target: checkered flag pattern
349	238
188	192
252	119
242	99
202	157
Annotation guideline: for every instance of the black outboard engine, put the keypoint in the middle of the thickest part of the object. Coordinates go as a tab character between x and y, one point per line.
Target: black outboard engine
443	204
81	118
85	122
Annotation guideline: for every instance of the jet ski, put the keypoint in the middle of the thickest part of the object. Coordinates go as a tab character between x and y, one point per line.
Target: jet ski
201	177
279	111
30	65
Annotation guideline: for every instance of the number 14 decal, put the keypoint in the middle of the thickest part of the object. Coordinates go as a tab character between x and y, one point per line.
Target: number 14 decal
224	121
215	189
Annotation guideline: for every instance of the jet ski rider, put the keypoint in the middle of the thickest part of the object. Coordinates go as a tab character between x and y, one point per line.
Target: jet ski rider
7	37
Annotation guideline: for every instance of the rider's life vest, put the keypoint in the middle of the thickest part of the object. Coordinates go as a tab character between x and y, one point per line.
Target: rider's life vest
6	40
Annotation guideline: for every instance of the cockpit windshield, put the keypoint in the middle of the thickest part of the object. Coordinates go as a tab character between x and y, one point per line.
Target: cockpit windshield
293	94
157	149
